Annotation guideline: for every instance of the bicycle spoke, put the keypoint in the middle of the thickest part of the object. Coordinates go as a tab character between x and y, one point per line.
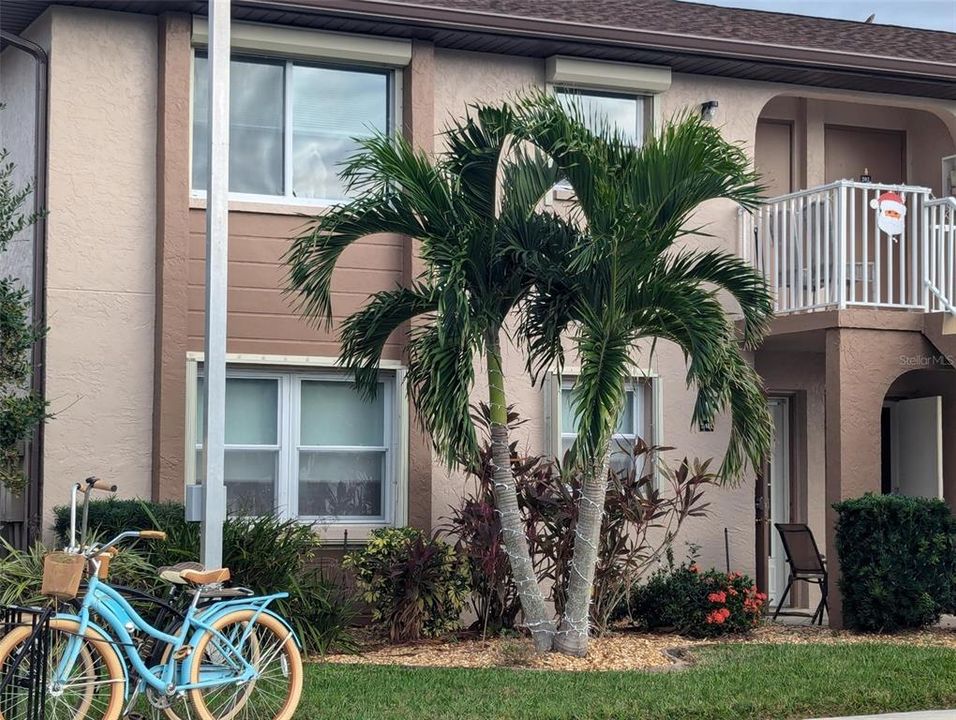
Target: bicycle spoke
85	693
266	647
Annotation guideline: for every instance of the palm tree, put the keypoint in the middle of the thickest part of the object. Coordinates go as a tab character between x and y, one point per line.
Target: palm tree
626	281
473	211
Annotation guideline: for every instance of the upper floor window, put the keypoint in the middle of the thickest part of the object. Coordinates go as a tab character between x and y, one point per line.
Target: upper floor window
292	124
623	112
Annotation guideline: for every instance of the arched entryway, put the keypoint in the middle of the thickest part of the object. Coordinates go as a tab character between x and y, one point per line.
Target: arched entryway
918	414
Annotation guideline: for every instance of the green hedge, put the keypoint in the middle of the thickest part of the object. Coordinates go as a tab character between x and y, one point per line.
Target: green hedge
897	561
110	516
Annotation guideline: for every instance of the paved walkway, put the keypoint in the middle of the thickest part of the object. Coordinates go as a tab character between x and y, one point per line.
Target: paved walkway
925	715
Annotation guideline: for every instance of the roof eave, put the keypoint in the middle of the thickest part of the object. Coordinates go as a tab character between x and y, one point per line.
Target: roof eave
534	28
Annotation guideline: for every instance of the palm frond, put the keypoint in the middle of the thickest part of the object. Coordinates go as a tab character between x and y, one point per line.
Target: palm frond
693	318
734	275
440	378
365	332
400	192
598	393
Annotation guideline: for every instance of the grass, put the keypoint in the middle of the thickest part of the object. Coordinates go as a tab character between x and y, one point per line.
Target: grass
742	682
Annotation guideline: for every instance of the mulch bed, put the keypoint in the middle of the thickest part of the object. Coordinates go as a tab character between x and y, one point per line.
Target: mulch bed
622	650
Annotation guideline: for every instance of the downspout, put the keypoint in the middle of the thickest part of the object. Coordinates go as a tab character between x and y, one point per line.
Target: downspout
34	495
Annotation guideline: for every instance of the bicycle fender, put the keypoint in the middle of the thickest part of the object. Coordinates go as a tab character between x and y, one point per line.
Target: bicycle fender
186	668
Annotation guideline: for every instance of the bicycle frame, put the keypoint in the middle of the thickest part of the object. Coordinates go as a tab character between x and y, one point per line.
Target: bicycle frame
121	619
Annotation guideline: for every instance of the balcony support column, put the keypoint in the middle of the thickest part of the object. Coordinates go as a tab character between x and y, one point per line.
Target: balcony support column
861	365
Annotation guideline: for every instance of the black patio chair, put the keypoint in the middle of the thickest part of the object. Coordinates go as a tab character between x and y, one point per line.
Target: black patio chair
806	565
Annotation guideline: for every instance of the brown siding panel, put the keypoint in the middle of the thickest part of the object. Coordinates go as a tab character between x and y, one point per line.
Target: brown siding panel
262	318
172	253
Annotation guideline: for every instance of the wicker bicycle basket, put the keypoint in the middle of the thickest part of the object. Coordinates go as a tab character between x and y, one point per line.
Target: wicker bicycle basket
62	573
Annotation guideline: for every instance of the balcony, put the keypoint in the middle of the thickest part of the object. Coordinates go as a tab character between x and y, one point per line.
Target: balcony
853	244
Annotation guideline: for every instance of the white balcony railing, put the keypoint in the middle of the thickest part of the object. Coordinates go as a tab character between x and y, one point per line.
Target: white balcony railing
823	248
940	221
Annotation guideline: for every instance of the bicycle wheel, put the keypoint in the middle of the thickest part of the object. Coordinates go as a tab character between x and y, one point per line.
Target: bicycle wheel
273	693
94	689
178	707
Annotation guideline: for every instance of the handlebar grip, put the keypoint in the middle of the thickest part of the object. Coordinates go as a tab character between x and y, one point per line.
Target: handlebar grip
152	534
93	483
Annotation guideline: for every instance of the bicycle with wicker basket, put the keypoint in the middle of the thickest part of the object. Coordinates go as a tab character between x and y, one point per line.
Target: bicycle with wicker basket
227	659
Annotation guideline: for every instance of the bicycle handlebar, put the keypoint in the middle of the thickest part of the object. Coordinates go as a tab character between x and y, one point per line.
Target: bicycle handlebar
127	535
94	483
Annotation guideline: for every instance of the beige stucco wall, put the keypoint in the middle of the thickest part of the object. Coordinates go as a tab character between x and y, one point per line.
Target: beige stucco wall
17	137
101	232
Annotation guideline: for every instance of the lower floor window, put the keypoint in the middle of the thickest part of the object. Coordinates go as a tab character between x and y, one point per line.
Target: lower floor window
634	421
307	445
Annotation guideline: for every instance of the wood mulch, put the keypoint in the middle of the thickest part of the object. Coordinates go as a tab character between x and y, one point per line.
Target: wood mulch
622	650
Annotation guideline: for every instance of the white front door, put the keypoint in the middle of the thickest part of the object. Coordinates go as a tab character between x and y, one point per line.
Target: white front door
918	447
778	496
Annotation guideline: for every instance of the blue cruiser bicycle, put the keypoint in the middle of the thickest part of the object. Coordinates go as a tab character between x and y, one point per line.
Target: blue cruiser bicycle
225	659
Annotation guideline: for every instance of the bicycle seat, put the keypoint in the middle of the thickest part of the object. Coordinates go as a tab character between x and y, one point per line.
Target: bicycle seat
173	573
206	577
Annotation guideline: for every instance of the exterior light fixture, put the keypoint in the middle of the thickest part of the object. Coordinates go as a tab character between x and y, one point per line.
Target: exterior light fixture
708	110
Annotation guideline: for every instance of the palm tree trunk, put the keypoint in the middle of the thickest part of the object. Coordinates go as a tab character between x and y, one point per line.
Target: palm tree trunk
536	615
572	637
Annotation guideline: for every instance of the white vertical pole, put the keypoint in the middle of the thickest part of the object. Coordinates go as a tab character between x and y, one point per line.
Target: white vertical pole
217	246
841	247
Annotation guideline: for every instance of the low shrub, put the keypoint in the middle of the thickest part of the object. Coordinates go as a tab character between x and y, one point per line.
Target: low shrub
897	561
269	554
695	603
111	516
415	585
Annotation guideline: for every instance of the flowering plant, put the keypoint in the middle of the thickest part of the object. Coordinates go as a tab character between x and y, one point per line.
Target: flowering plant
734	603
698	603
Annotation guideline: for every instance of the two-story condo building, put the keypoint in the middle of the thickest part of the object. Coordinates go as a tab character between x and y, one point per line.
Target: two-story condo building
852	124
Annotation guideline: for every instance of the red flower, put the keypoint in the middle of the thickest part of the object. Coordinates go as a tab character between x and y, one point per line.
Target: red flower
732	592
718	597
715	618
694	569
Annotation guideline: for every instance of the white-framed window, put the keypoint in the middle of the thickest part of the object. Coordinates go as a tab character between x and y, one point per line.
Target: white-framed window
304	444
624	112
292	124
640	418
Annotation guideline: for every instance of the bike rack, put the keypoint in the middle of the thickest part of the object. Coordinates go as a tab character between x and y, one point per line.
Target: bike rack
32	686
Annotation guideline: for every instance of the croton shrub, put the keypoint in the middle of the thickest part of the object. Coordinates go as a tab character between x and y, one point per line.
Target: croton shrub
415	585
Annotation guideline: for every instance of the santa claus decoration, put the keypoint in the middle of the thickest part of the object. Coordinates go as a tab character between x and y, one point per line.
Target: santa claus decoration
891	213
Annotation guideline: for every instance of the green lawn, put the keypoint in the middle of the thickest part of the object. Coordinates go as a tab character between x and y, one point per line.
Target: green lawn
732	681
